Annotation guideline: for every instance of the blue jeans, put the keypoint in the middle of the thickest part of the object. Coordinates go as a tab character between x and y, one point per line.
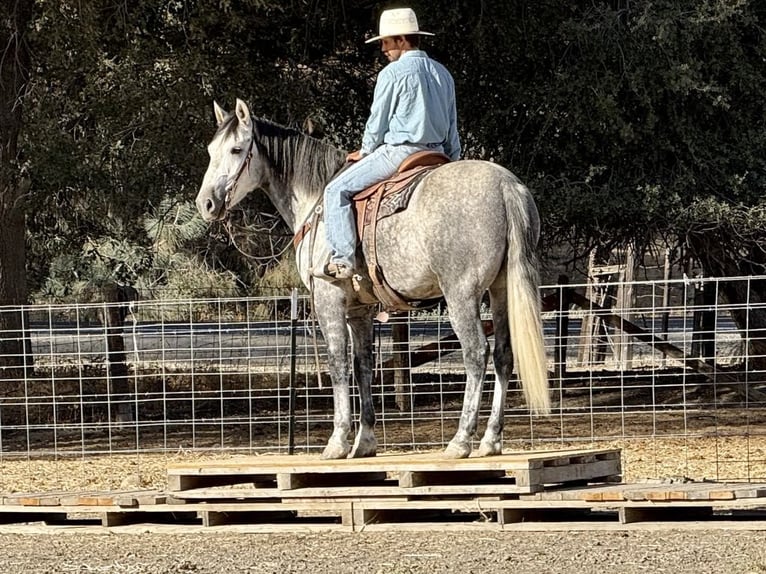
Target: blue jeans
340	226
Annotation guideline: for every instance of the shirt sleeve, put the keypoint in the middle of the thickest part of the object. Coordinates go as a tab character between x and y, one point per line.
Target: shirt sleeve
380	113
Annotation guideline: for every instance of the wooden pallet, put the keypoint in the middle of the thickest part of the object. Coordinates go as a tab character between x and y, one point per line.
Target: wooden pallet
301	493
392	475
705	503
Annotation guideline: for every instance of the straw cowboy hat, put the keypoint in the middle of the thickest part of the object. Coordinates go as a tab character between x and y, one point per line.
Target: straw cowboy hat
398	22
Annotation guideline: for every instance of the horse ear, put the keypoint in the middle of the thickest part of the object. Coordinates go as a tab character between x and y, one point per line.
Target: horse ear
220	115
243	113
313	129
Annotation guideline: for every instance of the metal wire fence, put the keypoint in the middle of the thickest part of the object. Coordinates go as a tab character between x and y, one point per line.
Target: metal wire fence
661	369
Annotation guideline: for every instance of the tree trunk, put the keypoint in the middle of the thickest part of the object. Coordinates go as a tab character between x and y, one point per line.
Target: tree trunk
15	16
749	316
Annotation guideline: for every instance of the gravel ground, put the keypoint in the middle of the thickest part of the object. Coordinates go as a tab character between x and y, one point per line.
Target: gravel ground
699	552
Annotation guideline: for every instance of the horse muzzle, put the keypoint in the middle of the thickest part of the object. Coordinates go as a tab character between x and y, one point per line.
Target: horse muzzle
212	200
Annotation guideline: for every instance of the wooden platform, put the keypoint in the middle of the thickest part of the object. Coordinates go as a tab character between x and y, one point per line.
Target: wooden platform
518	491
523	472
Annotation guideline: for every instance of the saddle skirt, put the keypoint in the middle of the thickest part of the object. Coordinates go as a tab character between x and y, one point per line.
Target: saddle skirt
393	194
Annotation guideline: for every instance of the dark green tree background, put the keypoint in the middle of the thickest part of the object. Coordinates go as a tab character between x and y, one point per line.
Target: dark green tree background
632	121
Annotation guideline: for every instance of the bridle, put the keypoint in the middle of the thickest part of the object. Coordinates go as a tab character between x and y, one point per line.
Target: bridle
231	183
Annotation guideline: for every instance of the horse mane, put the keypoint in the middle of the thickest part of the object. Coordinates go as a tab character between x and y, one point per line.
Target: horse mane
294	156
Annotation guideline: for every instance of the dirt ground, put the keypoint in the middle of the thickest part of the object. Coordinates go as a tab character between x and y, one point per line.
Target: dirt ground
720	458
702	548
677	552
652	450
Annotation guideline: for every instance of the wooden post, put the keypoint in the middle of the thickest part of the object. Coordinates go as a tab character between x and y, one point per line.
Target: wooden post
623	348
400	334
703	337
117	369
588	319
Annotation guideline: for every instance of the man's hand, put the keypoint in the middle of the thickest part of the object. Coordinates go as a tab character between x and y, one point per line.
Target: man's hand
354	156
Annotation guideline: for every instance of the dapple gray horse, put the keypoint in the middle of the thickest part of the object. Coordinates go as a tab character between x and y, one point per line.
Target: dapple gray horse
471	226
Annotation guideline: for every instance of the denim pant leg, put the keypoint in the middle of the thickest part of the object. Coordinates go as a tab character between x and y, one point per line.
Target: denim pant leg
340	226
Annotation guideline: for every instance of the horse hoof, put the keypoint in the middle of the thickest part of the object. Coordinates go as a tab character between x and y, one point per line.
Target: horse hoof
358	453
334	451
490	448
364	449
457	450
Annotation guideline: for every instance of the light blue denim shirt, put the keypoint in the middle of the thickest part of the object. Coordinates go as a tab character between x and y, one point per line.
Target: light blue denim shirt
414	103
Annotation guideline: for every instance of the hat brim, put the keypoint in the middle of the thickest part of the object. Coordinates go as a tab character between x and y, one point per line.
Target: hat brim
376	38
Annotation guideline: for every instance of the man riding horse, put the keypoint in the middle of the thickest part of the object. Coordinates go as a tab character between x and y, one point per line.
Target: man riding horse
426	251
413	110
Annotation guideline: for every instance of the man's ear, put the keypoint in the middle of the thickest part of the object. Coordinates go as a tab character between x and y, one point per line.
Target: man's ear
312	128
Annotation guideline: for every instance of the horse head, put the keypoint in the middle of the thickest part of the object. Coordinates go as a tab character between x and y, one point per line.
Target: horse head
235	165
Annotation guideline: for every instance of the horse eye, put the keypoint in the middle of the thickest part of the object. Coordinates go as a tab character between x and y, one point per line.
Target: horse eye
236	150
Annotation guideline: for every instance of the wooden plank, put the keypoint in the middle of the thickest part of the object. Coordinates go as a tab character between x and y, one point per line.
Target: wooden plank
599	494
694	491
42	500
214	518
503	487
178	480
630	514
139	498
22	516
294	481
110	519
410	479
586	471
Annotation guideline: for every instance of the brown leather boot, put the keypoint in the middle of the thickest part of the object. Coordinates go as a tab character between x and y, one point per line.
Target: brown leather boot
338	271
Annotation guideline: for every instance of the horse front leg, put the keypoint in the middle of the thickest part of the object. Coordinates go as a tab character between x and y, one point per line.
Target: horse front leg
330	310
338	445
360	322
466	322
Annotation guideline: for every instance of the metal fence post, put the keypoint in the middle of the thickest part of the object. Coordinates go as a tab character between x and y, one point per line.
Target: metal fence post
291	392
562	329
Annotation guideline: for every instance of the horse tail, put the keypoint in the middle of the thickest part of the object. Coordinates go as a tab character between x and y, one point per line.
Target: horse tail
524	298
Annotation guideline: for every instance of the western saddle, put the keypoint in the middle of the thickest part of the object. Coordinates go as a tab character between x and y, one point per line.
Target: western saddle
377	202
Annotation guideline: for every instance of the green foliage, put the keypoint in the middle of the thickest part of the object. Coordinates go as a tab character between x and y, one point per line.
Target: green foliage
629	121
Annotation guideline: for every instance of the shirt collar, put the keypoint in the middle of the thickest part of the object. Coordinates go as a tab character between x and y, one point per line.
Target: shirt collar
413	54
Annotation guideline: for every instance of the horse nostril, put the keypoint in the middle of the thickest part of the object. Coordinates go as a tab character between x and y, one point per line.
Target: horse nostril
210	206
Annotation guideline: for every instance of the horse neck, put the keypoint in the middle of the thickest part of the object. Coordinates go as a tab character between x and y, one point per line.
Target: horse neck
299	167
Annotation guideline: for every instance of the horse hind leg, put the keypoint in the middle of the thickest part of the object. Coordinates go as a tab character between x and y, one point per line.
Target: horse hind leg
466	322
491	443
360	322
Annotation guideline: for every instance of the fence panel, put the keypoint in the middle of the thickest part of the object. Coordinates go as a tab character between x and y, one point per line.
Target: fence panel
669	377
